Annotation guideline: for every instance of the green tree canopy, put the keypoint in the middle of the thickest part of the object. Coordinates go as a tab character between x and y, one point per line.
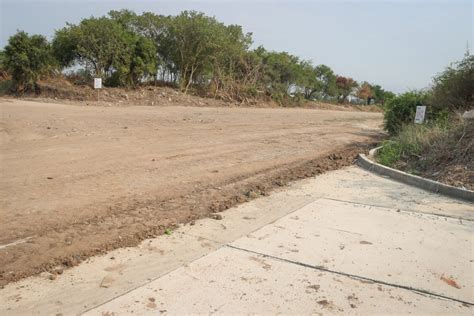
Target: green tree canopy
381	95
320	83
107	48
200	47
281	71
27	59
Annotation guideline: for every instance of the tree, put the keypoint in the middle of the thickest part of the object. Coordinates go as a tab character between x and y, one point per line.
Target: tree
308	82
143	60
226	64
381	95
321	82
194	40
98	44
107	48
158	29
365	91
281	72
345	87
27	59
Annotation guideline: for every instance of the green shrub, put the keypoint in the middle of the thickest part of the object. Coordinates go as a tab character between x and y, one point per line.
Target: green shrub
5	86
453	89
389	153
27	59
411	141
401	110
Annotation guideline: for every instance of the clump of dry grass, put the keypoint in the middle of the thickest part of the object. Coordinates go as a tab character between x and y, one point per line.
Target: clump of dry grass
442	151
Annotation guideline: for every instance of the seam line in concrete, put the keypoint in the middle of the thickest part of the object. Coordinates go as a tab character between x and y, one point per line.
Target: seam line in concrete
206	254
149	281
258	228
406	211
356	277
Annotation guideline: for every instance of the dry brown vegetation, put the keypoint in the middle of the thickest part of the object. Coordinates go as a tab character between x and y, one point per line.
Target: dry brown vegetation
447	157
442	152
60	89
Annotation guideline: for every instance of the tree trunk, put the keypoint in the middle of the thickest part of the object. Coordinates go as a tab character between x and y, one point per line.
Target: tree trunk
189	80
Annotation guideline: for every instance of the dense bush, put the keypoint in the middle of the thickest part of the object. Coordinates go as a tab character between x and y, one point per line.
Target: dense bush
453	89
400	110
27	59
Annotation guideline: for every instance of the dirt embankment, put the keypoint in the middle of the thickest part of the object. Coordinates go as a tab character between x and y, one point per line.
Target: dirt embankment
60	90
81	180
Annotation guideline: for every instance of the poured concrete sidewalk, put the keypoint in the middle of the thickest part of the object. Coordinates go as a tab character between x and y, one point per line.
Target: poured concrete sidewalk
344	242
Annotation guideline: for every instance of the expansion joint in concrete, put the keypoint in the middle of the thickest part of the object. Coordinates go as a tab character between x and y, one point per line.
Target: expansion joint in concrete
356	277
461	219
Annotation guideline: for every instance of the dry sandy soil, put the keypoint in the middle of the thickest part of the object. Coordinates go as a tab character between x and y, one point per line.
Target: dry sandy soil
80	180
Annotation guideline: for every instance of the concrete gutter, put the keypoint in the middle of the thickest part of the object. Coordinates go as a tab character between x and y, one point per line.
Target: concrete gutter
422	183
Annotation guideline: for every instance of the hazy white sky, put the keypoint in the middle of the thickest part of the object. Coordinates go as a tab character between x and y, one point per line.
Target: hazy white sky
400	44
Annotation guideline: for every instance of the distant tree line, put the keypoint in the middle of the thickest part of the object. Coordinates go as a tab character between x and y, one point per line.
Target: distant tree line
190	51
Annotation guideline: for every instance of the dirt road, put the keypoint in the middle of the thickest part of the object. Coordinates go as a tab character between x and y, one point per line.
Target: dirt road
79	180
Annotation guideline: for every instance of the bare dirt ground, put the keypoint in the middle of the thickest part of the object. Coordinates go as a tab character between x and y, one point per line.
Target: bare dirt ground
81	180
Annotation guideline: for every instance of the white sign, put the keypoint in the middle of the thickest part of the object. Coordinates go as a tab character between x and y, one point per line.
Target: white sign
420	114
97	83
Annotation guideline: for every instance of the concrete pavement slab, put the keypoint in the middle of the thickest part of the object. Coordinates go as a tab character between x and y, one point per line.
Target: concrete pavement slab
423	251
358	185
230	281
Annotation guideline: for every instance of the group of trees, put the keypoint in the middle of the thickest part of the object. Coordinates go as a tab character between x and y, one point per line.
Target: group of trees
190	50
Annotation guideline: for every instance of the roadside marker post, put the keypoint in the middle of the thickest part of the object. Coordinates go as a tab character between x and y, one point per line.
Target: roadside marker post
98	86
420	114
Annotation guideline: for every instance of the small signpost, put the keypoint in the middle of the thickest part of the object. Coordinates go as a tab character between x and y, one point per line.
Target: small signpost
98	86
420	114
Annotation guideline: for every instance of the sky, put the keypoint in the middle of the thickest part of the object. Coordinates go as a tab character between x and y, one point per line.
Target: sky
399	44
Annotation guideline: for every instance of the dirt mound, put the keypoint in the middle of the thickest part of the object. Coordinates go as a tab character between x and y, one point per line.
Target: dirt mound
59	90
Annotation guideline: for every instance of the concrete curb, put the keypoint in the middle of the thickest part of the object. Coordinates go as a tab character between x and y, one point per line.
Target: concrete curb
423	183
